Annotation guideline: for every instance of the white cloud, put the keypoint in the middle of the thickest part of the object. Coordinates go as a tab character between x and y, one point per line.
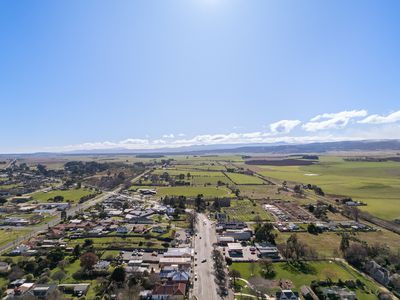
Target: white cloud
378	119
284	126
333	120
278	133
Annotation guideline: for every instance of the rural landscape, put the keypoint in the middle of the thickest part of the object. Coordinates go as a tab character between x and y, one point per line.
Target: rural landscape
243	226
200	150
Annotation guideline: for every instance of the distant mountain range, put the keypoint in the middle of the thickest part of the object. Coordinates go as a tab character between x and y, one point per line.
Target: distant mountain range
322	147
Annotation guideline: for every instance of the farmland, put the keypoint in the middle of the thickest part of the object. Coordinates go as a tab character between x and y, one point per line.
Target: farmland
375	183
244	179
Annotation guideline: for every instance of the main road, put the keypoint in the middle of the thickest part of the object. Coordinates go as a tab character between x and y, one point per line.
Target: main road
205	286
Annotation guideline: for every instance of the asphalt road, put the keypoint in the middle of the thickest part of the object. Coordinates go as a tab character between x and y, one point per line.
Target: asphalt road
204	287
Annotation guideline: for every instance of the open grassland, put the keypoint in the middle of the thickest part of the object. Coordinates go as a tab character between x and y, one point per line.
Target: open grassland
9	235
73	195
246	211
198	178
306	273
375	183
199	167
207	192
244	179
327	244
206	159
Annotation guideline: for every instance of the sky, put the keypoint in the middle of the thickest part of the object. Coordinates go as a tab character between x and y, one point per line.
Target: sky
150	74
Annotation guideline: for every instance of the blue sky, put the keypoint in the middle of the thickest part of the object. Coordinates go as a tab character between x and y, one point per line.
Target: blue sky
148	74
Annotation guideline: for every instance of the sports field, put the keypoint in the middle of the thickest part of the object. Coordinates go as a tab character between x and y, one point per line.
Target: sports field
375	183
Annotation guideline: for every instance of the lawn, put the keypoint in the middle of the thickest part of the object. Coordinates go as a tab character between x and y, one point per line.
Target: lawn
244	179
246	211
310	271
375	183
207	192
73	195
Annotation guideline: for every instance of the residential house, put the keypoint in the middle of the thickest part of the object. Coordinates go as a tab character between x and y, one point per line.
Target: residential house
287	295
170	291
379	273
338	293
266	250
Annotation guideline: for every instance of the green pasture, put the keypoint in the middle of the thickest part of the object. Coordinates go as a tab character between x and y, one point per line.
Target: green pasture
327	244
73	195
244	179
375	183
9	235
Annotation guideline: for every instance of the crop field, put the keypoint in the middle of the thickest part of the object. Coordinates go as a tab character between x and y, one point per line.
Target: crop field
375	183
207	192
320	270
244	179
246	211
73	195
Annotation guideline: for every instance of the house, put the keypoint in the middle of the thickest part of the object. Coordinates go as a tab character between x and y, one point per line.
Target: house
174	275
170	291
287	295
179	252
379	273
4	267
122	230
21	199
42	291
147	191
235	250
15	222
239	235
77	289
102	265
159	229
224	240
184	262
335	292
139	228
16	283
180	276
22	289
266	250
235	225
